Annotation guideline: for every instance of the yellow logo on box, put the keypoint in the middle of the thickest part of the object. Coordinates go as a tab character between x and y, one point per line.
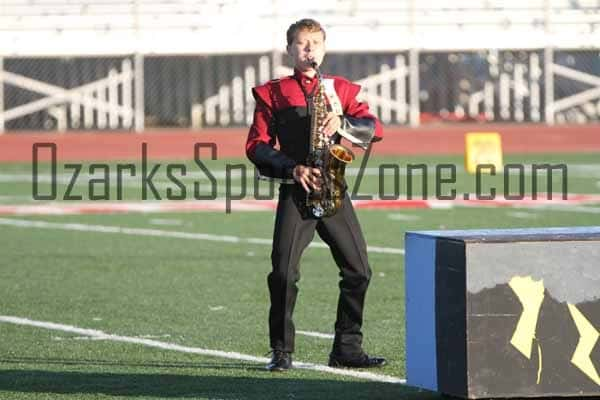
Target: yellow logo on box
482	148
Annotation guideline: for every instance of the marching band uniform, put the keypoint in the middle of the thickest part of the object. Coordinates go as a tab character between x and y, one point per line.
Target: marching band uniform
281	117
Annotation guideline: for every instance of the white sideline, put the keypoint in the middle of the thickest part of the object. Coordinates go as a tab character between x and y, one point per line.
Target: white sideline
24	223
96	334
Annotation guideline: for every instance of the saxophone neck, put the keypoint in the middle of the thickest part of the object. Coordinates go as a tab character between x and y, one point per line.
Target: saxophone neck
317	71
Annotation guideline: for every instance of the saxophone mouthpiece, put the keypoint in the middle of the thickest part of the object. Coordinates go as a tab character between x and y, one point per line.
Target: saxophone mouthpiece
314	64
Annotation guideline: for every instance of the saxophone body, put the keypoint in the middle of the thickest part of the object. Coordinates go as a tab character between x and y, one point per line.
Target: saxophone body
330	158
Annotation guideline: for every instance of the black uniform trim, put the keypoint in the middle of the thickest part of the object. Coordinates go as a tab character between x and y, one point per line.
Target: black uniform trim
273	163
290	114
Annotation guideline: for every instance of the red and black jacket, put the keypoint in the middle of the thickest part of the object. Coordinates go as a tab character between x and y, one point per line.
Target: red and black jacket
281	117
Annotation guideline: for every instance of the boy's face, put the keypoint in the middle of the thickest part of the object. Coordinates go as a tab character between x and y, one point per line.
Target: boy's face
307	47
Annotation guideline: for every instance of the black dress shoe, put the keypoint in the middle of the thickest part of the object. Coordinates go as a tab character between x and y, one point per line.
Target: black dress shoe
363	361
281	361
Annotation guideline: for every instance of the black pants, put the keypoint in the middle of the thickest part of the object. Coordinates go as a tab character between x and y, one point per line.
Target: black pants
292	234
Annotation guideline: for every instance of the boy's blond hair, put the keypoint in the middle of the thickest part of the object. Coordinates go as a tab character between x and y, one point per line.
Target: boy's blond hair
307	24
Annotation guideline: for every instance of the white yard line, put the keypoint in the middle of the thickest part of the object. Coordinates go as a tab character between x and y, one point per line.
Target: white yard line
22	223
403	217
192	172
100	335
574	209
521	215
82	181
165	222
23	200
316	334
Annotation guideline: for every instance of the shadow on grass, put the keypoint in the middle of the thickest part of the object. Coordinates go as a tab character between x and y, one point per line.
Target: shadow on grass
269	386
131	363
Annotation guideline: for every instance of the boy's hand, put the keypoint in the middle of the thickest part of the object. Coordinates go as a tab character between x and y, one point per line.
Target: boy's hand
331	124
309	178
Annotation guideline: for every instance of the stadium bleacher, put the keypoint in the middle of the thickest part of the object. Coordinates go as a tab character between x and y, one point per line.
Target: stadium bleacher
183	26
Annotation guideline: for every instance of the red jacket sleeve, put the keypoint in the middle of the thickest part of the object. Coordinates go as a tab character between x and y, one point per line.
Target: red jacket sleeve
357	109
260	131
261	139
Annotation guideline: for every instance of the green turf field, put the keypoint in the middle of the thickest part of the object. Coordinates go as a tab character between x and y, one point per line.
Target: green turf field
209	292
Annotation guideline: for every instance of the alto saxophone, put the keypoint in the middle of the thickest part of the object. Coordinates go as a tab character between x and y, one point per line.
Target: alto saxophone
330	158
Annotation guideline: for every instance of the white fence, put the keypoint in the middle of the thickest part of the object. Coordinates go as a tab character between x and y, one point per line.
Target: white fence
537	86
